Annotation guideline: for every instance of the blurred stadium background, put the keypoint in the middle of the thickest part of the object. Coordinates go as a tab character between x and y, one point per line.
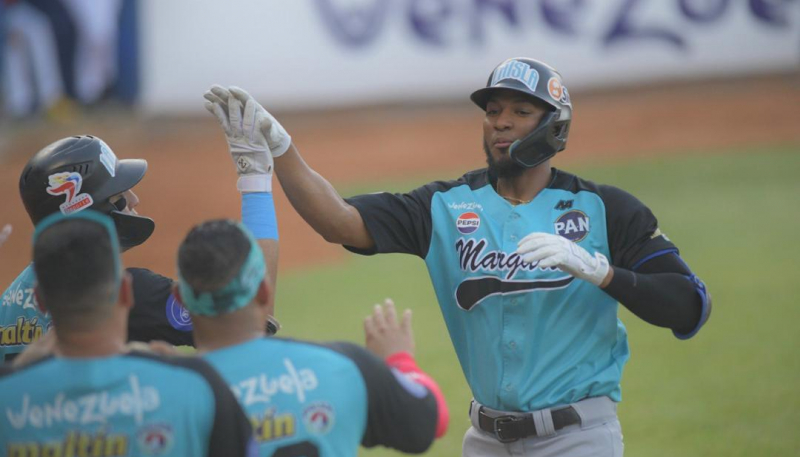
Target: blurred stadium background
692	105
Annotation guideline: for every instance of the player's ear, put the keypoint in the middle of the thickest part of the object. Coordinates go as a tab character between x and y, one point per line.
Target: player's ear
176	292
37	296
126	291
263	296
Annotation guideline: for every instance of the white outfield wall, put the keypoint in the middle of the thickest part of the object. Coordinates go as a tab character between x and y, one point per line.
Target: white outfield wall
305	54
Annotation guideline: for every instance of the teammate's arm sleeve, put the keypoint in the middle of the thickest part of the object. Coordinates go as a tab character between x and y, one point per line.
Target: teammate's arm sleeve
650	279
399	223
156	315
401	413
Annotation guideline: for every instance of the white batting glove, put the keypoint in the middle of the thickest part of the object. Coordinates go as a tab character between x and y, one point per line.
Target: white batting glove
246	143
556	251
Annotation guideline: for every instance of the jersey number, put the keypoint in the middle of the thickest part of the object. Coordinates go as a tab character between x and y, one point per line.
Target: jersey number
301	449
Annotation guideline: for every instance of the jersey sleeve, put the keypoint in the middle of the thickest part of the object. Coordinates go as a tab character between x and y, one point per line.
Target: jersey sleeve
231	431
156	315
398	223
633	233
402	414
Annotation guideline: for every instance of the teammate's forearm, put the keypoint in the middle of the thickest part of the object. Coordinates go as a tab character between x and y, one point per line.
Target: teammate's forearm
663	299
318	203
405	363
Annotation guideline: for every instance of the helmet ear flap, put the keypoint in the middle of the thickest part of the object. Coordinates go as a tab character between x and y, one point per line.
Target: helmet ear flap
541	144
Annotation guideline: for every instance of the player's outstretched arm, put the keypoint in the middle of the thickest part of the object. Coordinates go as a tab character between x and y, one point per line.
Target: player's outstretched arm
393	342
663	291
312	196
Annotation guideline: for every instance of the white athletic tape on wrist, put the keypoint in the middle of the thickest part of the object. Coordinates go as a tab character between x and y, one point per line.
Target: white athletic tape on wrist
254	183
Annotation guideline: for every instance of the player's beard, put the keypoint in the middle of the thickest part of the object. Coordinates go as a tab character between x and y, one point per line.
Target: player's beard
505	168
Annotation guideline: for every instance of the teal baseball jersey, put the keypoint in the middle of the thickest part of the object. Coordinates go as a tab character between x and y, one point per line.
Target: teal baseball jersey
125	405
21	323
527	337
313	400
156	316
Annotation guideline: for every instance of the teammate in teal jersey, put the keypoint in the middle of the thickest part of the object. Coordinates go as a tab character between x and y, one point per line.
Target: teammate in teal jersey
92	396
528	263
303	398
74	174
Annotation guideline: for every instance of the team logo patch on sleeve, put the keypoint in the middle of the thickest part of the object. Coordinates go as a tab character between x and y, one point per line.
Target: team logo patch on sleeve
572	225
319	418
154	439
178	316
69	184
468	223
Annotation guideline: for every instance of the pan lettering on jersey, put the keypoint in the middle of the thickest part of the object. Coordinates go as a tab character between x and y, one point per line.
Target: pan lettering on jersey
261	388
75	443
95	408
572	225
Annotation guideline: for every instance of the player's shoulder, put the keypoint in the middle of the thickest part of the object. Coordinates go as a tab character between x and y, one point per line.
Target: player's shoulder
474	179
612	196
145	276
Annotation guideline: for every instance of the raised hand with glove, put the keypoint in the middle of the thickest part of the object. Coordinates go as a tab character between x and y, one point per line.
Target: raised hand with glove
556	251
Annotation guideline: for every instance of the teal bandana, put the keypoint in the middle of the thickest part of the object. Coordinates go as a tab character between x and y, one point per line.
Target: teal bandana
93	216
237	294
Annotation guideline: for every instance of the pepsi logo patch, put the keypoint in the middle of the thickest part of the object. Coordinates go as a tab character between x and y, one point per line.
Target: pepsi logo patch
468	223
572	225
69	184
319	418
178	316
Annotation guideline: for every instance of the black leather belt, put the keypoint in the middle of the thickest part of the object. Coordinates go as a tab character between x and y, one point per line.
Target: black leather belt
512	428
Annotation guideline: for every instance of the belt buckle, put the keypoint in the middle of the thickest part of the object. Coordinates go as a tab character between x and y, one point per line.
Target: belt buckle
498	422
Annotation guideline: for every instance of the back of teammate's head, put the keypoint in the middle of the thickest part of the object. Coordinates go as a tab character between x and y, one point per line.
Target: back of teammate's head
220	268
77	266
79	173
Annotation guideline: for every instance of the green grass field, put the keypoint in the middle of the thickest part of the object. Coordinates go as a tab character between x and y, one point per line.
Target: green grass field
730	391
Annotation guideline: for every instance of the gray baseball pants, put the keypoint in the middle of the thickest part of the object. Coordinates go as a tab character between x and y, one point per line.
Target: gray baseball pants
598	435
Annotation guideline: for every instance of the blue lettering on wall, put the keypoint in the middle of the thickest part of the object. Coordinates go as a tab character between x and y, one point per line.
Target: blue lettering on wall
359	24
561	15
354	26
428	17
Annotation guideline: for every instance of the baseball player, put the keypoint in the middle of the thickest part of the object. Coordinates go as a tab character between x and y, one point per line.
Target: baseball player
105	401
337	395
72	175
528	263
303	398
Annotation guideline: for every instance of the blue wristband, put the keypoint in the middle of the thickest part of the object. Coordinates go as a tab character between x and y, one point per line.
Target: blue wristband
258	215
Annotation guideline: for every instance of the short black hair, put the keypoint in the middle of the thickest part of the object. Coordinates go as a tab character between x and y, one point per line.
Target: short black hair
212	254
76	270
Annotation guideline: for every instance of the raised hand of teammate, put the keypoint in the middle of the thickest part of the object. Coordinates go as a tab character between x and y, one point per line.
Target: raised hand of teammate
241	117
385	335
556	251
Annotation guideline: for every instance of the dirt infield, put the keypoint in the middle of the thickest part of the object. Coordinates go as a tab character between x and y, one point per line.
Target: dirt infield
191	178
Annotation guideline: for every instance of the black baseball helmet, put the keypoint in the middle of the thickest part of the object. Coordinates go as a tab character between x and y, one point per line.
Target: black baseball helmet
540	81
82	172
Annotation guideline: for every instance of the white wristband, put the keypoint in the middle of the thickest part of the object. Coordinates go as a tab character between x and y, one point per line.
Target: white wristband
254	183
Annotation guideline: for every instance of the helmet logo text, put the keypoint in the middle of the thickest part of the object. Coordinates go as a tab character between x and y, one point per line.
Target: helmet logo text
69	184
518	71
